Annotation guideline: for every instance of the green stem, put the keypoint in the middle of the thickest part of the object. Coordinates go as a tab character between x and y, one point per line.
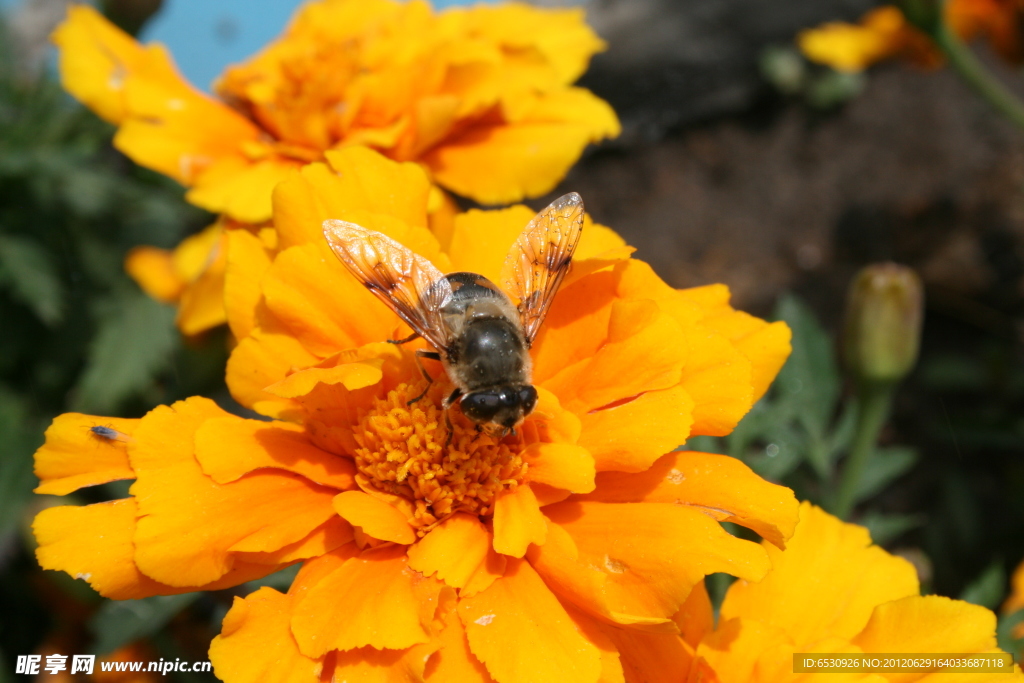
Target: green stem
874	400
970	68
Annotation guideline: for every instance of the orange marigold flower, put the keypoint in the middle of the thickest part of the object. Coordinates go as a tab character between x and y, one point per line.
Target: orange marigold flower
884	33
829	591
481	97
540	556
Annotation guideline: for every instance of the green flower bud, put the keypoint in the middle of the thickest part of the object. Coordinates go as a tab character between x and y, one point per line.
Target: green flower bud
883	322
924	14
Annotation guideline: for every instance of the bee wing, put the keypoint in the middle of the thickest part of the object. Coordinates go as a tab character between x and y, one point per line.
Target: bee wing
540	259
409	284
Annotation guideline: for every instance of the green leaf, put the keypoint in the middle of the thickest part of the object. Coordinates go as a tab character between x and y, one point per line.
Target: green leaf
32	276
704	444
887	527
135	341
120	622
987	590
885	466
1004	634
809	381
21	437
279	580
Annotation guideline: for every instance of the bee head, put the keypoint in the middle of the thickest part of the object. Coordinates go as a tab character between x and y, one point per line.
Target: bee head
504	407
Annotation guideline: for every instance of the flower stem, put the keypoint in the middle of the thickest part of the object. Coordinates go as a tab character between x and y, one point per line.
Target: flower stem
875	399
970	68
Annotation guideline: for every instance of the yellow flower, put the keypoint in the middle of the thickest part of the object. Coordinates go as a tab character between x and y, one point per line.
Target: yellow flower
829	591
481	97
541	556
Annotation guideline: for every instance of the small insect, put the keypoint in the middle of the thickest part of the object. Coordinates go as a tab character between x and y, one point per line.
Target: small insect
109	433
481	334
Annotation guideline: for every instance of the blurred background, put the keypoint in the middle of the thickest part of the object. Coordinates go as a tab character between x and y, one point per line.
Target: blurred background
740	162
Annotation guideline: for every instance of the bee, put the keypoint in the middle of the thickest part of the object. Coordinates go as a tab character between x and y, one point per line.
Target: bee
480	333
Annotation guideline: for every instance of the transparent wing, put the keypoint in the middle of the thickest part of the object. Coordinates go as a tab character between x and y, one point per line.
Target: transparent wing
409	284
540	259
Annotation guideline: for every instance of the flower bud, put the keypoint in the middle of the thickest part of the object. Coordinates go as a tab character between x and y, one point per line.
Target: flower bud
883	322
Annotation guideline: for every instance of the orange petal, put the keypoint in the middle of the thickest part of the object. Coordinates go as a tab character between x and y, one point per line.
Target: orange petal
256	645
94	58
374	599
636	563
650	657
248	262
321	303
459	552
696	618
718	378
928	623
191	544
350	376
637	331
74	456
562	465
153	270
329	536
357	180
765	345
234	185
718	485
374	516
518	522
593	631
229	447
369	665
631	436
486	256
263	358
826	583
518	608
454	661
202	302
94	543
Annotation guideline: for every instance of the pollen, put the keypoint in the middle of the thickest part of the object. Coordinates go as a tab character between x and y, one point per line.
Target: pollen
405	450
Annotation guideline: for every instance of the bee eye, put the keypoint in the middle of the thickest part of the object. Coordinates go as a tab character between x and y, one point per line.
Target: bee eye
527	399
481	405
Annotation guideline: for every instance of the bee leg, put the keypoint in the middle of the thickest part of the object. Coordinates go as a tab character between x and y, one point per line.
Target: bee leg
432	355
451	429
408	339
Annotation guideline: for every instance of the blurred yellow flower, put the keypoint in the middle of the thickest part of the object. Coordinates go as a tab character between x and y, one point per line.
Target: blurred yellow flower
538	557
884	32
480	97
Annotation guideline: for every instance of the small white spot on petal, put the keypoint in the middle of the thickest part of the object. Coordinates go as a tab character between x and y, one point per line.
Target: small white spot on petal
485	619
615	566
83	576
676	477
176	104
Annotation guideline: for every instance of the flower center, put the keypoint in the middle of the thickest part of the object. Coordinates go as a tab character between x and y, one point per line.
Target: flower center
405	450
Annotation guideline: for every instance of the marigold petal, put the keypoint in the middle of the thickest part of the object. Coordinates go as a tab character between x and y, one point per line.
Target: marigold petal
256	645
631	436
636	563
650	657
374	599
94	58
593	631
201	306
153	271
459	552
518	522
94	543
502	226
518	608
718	378
261	359
718	485
369	665
350	376
329	536
454	661
357	180
562	465
374	516
796	597
235	186
74	456
248	262
766	345
229	447
190	545
637	331
952	626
